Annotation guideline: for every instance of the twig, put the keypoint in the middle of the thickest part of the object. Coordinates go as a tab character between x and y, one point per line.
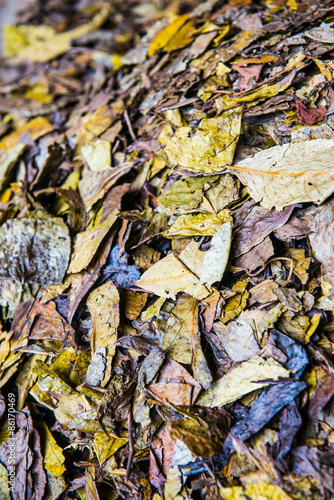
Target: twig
130	457
127	119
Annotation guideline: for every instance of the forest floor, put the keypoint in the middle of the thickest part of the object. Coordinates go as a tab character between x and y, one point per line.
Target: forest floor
167	250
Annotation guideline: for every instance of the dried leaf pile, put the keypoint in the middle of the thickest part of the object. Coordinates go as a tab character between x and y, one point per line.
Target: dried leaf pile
167	250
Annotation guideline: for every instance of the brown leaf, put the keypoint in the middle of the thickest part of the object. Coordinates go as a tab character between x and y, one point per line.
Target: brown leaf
309	116
30	478
323	394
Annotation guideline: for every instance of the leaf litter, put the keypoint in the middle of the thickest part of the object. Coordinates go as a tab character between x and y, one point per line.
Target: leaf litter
166	242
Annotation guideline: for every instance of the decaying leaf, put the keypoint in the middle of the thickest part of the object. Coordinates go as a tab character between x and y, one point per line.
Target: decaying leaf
34	250
155	307
179	335
103	304
212	147
215	259
198	225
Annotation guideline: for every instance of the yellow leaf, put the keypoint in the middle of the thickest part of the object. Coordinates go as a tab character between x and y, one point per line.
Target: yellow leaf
53	454
212	147
301	263
162	38
237	303
97	155
35	128
16	38
39	93
197	225
292	4
263	92
247	377
106	446
53	46
170	276
314	323
103	304
182	38
215	259
197	437
153	310
87	243
254	491
8	160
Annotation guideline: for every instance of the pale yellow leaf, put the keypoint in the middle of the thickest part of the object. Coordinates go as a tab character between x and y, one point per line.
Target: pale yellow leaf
169	276
216	257
289	174
97	155
247	377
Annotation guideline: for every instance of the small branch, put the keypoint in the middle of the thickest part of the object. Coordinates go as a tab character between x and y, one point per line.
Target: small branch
130	432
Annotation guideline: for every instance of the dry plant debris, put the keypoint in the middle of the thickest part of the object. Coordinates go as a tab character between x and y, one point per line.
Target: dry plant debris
167	250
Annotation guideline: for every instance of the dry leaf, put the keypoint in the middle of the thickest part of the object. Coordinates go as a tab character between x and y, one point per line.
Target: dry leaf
87	243
169	276
247	377
103	304
289	174
212	147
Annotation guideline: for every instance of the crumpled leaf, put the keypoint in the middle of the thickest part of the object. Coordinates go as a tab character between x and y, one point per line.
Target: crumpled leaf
30	478
309	116
8	160
301	263
179	335
264	91
197	225
176	385
168	277
288	174
238	340
256	226
320	221
125	274
212	147
35	128
106	446
196	436
249	376
235	304
103	304
198	194
34	250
